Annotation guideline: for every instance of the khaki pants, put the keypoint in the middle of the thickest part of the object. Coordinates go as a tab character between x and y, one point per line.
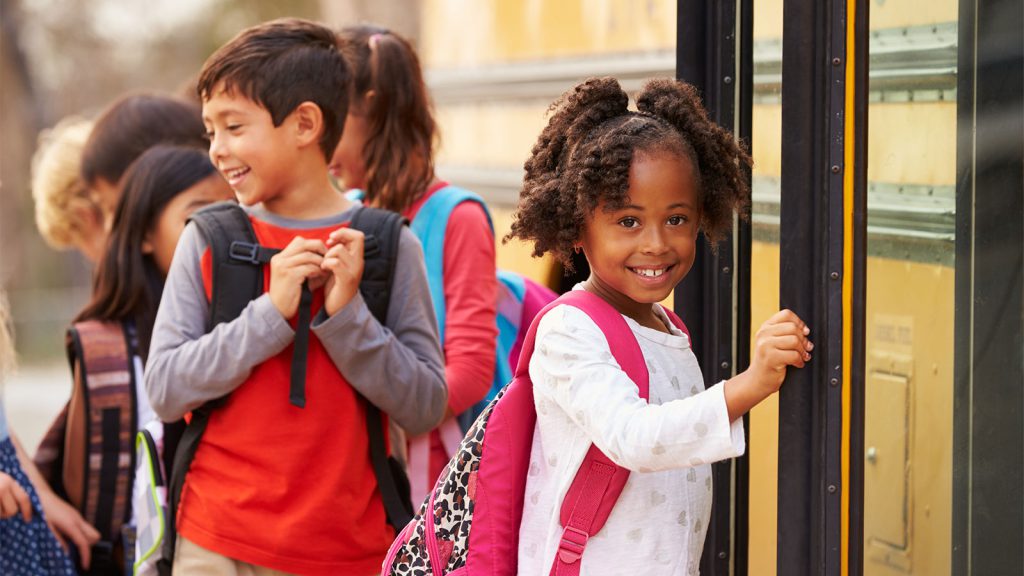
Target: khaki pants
192	560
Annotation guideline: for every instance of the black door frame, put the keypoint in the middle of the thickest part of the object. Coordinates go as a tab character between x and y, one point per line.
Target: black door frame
715	296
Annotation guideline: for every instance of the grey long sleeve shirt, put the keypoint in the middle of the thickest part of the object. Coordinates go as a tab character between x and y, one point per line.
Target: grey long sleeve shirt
398	367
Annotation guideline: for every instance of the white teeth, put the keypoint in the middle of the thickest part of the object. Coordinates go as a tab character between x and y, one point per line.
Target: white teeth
235	172
649	273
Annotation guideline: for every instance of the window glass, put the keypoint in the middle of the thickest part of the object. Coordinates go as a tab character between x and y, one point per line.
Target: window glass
910	288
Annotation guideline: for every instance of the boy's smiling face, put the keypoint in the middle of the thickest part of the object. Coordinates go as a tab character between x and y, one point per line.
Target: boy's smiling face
639	253
253	155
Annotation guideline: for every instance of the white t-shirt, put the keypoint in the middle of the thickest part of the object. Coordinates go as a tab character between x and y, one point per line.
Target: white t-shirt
582	396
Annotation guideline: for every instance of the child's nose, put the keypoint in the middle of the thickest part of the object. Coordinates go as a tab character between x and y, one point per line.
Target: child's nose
216	148
654	241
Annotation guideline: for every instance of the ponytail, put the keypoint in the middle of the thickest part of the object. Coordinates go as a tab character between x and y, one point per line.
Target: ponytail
399	150
720	160
549	213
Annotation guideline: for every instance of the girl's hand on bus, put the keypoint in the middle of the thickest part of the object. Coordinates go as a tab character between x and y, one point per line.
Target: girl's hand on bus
344	262
780	342
289	268
13	499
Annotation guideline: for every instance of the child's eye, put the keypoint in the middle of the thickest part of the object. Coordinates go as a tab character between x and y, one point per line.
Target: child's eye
678	220
629	222
234	127
208	135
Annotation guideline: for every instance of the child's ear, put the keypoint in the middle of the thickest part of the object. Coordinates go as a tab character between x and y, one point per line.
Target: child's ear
309	123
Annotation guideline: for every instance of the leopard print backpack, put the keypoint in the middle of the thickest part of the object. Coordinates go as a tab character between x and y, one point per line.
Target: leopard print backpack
469	523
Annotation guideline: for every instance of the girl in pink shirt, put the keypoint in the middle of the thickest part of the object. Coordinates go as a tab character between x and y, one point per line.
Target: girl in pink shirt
387	151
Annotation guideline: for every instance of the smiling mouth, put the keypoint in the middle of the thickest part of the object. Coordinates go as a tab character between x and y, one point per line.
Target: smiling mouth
650	272
235	173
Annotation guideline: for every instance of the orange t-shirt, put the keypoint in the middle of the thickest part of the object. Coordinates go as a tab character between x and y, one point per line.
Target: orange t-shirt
283	487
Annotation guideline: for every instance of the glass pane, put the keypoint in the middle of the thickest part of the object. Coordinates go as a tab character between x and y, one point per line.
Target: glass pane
764	290
909	308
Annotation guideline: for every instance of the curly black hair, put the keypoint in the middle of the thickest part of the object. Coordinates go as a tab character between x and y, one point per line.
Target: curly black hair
584	155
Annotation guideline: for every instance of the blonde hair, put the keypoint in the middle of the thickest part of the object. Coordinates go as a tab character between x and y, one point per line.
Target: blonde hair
57	187
6	338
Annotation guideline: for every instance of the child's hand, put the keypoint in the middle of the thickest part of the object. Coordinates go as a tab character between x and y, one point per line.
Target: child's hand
13	499
344	263
780	342
67	524
289	268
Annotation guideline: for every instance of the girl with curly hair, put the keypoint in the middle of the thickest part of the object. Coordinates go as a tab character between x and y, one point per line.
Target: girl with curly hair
630	190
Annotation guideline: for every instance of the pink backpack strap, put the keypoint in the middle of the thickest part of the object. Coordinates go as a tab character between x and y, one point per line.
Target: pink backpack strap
599	481
678	322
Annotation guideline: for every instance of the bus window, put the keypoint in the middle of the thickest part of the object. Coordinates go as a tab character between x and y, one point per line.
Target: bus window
908	370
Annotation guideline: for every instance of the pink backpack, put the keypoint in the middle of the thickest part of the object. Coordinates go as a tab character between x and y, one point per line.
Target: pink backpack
469	524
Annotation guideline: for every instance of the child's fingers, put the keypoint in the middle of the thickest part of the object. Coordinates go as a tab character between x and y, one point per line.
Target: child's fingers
788	329
342	257
792	358
15	500
785	316
296	260
352	239
341	234
8	506
299	245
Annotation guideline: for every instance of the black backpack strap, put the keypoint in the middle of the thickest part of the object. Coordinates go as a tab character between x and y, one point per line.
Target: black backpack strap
382	231
237	269
237	259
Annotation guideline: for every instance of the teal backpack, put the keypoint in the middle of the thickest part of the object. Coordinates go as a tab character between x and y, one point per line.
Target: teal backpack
519	298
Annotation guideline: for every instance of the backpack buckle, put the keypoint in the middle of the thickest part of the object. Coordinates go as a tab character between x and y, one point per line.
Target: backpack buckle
244	251
570	547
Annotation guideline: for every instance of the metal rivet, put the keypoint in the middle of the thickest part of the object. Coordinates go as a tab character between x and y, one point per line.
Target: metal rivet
834	275
836	61
834	381
727	79
725	365
831	488
836	368
835	169
722	555
726	270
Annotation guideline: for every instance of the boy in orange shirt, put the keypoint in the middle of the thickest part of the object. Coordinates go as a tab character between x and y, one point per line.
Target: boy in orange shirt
274	487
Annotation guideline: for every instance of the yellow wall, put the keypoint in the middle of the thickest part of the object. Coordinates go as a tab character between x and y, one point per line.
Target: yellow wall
475	32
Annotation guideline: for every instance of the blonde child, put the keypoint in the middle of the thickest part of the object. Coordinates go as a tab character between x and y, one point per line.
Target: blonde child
631	190
67	216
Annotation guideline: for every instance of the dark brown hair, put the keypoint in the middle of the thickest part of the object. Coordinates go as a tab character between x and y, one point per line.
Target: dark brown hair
130	126
128	284
279	65
584	155
399	153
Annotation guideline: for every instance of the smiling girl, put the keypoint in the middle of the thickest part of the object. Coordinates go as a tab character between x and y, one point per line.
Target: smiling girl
631	190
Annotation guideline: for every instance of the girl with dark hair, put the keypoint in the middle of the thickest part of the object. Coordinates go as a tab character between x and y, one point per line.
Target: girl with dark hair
109	340
161	189
630	190
387	152
129	126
